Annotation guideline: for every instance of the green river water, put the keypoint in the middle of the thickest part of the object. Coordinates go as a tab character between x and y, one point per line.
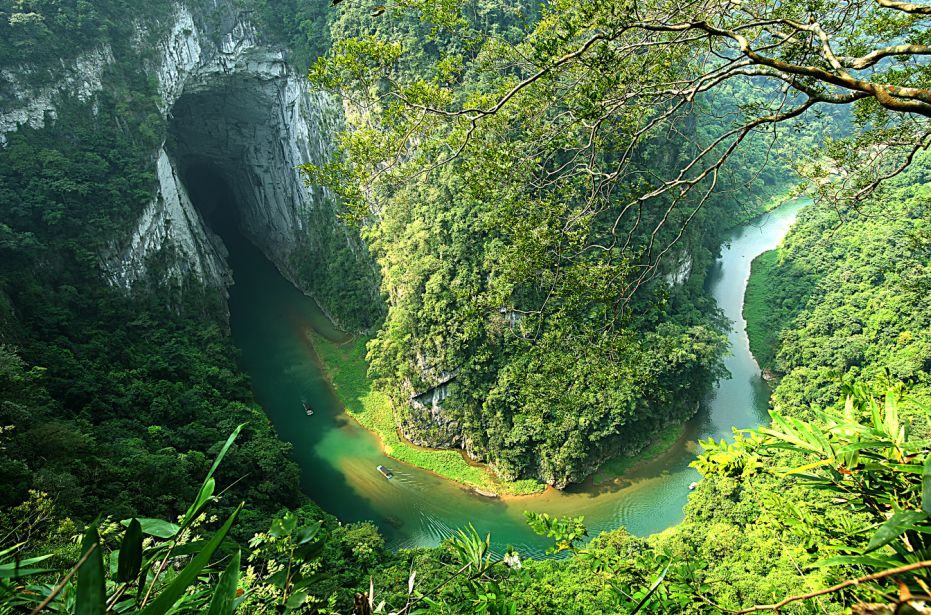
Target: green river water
271	322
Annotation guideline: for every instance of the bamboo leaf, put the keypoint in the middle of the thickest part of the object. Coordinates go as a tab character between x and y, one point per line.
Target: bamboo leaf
306	533
223	451
156	527
25	562
652	590
188	575
203	497
187	548
9	550
14	572
296	600
91	592
225	594
856	560
809	466
926	486
895	526
209	484
130	560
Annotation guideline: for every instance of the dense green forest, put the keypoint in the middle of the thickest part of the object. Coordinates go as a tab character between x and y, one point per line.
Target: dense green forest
847	296
486	294
544	190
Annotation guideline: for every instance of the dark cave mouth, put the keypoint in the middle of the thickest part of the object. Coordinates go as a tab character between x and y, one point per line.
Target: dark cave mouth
209	188
225	140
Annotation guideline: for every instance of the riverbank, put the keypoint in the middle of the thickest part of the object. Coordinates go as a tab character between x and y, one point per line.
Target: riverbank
616	467
758	310
345	367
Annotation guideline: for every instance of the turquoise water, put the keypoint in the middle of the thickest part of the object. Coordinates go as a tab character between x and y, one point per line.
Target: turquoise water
271	322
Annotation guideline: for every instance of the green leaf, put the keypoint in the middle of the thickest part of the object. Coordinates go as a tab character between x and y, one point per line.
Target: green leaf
895	526
26	562
306	533
176	550
200	502
926	486
309	552
278	579
188	575
9	550
156	527
312	580
130	560
225	593
296	600
283	526
11	571
209	484
856	560
652	590
223	451
808	466
91	592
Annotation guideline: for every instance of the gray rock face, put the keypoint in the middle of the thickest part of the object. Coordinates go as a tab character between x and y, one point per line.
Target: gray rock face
234	106
254	127
426	424
171	222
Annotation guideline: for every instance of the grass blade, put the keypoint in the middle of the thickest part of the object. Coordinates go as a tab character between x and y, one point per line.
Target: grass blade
225	594
91	592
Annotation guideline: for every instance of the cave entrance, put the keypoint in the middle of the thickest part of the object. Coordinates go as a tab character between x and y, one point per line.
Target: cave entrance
234	143
207	134
209	188
233	140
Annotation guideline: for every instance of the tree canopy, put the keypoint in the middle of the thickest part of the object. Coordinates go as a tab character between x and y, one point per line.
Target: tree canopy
574	100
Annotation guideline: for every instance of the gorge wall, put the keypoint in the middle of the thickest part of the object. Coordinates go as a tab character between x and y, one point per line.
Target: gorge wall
236	108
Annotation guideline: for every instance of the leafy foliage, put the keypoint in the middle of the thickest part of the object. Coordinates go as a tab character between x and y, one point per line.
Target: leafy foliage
505	285
847	296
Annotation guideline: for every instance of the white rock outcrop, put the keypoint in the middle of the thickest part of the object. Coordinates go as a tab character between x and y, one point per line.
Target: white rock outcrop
81	79
171	222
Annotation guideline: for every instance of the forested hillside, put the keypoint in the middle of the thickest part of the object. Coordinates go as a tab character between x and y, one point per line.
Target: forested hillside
533	332
544	190
847	296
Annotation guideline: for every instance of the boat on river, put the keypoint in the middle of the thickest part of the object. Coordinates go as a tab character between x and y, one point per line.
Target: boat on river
385	472
307	409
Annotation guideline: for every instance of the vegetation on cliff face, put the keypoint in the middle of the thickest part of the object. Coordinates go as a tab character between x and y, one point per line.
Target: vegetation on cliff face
34	33
117	406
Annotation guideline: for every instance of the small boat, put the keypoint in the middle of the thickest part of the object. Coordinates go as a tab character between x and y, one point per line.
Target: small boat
307	409
692	486
385	472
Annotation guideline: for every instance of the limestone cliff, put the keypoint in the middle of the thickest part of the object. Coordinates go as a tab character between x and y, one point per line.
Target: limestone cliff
235	105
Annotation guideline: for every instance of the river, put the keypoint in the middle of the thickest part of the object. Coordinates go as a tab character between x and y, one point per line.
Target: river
269	320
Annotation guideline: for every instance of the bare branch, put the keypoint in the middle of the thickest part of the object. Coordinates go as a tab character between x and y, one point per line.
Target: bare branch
906	7
835	588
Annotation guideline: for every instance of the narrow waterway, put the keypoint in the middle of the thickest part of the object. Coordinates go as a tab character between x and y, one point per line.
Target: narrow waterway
270	323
